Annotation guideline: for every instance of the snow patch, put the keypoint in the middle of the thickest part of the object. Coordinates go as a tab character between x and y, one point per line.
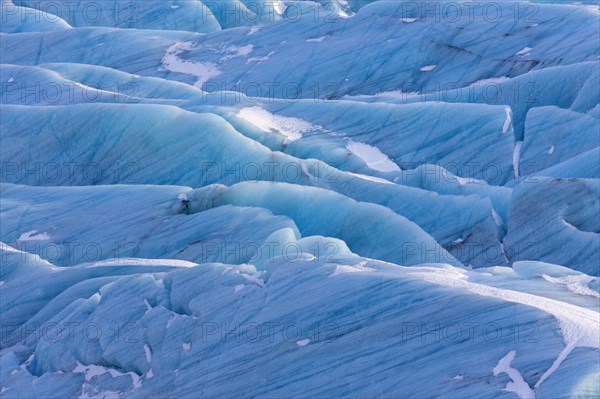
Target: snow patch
524	51
517	157
569	225
497	218
93	370
307	173
578	284
202	71
138	262
409	20
170	321
427	68
463	181
239	287
561	357
370	178
291	128
360	267
372	156
33	235
392	94
260	59
518	384
487	81
148	353
507	121
235	51
303	342
551	150
254	278
279	7
90	371
317	40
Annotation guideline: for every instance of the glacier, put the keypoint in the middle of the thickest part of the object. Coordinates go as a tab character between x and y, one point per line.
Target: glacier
299	199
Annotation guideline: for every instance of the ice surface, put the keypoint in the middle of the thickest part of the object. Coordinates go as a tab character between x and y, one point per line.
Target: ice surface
332	198
183	296
536	228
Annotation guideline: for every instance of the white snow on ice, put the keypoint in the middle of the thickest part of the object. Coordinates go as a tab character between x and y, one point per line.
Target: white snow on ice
235	51
93	370
239	287
507	121
524	51
517	157
148	353
33	235
370	178
487	81
427	68
279	7
138	261
569	225
202	71
260	59
497	218
291	128
360	267
148	306
372	156
518	384
577	284
392	94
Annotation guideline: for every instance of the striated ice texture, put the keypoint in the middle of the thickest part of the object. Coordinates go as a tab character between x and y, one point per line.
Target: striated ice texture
299	199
